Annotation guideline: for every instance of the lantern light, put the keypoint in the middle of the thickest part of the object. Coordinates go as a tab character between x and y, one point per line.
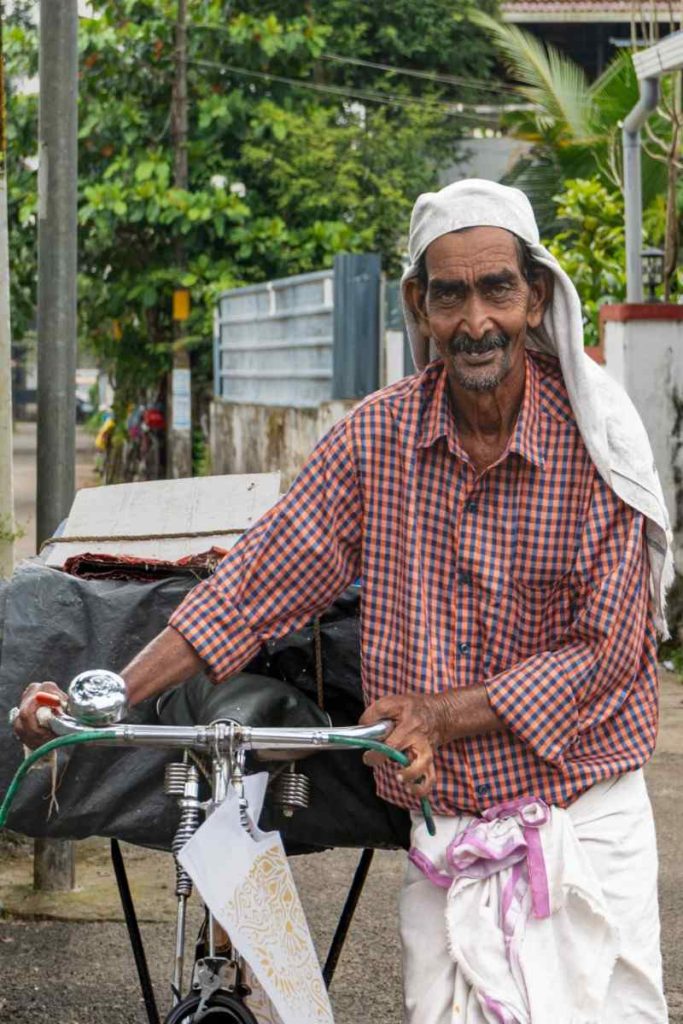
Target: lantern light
653	270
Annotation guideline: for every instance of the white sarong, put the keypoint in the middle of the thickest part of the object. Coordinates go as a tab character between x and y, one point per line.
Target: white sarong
536	915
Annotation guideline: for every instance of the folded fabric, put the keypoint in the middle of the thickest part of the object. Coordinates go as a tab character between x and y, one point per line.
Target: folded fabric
526	919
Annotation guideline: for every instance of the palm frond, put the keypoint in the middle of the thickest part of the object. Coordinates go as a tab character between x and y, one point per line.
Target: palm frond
614	93
538	177
548	79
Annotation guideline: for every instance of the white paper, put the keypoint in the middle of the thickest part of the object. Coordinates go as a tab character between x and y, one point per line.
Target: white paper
181	399
246	882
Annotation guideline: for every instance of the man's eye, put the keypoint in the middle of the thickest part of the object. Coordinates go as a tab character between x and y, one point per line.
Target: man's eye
498	291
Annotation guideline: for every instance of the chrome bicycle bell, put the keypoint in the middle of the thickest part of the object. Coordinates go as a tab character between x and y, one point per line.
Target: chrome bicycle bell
97	697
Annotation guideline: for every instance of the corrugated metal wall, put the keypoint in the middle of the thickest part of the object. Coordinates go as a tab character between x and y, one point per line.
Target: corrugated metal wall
273	342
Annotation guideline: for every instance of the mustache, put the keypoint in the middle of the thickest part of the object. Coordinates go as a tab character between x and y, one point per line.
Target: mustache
478	346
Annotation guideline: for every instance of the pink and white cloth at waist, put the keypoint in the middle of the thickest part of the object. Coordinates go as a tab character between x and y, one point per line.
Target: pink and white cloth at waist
526	919
480	851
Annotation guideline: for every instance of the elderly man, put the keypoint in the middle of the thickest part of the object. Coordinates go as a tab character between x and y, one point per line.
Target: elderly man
503	511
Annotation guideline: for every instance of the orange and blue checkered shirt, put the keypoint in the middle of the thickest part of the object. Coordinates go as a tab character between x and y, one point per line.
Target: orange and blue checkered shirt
531	578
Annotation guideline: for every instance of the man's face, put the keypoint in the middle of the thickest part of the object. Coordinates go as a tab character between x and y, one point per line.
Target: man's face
477	306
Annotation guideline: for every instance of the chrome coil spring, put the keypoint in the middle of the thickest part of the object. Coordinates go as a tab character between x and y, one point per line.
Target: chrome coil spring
291	790
189	816
175	777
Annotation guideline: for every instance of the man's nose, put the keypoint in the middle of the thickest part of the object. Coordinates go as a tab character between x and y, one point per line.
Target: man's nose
476	321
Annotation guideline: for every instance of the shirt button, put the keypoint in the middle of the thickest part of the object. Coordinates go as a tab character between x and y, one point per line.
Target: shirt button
483	789
471	506
465	576
463	647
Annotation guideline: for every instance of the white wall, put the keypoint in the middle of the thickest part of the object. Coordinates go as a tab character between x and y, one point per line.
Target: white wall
646	357
491	159
249	438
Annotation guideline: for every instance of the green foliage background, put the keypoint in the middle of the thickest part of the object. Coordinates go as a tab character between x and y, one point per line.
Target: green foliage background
282	175
590	246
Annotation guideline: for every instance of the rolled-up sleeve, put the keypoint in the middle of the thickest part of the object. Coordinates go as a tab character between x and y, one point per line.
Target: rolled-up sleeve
287	567
550	699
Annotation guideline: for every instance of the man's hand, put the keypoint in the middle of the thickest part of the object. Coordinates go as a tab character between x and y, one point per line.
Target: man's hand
424	722
165	661
26	727
417	732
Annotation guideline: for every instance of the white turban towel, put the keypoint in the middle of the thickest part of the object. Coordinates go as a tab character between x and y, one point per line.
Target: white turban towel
607	419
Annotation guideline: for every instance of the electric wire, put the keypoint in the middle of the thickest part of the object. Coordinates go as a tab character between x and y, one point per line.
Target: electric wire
388	99
456	108
440	77
430	76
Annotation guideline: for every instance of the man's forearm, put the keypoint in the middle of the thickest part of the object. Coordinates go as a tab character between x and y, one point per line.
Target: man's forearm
165	661
465	712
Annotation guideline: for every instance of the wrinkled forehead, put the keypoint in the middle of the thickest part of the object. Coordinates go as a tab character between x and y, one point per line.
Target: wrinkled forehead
472	250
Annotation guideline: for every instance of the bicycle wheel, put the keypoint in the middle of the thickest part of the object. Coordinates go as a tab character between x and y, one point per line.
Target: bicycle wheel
222	1008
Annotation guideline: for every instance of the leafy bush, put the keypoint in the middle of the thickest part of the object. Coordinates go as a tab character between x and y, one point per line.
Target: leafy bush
590	246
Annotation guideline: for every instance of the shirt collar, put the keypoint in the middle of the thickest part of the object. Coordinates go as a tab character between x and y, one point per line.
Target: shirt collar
437	419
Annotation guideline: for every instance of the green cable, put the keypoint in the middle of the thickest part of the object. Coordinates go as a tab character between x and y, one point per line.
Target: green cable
35	755
393	755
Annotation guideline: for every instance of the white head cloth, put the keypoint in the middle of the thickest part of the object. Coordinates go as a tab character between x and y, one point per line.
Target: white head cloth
607	419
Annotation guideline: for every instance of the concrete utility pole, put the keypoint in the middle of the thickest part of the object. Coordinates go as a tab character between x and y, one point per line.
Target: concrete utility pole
180	423
57	238
7	528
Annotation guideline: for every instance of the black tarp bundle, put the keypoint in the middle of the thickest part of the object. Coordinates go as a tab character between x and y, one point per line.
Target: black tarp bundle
55	625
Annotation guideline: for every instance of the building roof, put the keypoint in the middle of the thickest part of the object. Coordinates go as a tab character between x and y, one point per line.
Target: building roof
581	11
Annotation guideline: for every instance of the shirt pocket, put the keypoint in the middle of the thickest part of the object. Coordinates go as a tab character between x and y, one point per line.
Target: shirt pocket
542	611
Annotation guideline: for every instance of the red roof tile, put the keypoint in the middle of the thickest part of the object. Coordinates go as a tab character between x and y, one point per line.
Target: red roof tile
608	8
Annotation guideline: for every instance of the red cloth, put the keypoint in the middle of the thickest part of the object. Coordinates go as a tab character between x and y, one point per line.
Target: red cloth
91	566
531	578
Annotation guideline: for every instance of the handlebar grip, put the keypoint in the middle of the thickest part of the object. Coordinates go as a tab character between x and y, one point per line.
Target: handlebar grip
44	716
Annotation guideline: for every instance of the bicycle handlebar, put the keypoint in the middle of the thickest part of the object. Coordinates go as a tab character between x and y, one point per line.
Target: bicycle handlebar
98	701
224	736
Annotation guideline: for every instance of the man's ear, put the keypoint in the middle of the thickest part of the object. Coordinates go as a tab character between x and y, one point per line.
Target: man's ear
540	297
415	298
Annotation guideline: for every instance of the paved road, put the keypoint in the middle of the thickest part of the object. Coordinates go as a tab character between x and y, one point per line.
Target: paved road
25	480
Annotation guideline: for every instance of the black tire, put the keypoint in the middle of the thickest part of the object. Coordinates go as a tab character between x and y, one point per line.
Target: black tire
222	1008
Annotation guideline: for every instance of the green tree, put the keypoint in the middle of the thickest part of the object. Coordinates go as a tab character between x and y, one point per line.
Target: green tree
287	165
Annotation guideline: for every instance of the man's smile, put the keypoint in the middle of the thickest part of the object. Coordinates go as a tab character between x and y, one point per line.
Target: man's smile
478	358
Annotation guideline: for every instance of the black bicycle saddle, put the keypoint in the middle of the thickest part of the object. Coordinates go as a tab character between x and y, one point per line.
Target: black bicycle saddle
246	698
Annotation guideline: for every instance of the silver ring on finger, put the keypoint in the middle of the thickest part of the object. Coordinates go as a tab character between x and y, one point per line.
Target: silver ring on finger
13	714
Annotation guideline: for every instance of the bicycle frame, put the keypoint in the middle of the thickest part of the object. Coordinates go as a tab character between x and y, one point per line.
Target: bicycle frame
225	744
